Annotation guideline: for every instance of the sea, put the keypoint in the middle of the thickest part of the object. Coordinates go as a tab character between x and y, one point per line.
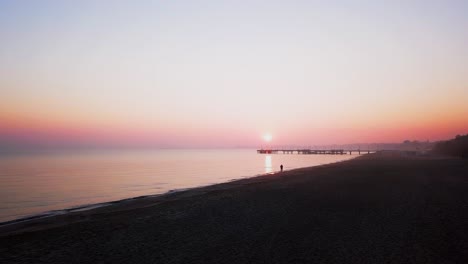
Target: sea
43	183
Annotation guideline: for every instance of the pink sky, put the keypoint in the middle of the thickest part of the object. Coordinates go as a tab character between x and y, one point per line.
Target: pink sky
178	74
23	132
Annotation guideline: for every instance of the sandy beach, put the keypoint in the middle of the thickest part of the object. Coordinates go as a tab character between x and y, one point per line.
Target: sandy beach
378	208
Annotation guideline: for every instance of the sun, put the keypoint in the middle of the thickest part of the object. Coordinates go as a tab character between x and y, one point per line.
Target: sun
267	137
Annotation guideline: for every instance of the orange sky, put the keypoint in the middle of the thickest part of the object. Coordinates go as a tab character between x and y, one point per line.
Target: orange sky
24	131
178	74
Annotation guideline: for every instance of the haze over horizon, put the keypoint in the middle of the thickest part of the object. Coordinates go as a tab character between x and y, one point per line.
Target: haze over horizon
225	73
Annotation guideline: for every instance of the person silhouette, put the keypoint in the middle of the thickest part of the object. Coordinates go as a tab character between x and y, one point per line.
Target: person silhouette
281	167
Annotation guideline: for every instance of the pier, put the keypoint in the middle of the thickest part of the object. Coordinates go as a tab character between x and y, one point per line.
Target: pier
312	151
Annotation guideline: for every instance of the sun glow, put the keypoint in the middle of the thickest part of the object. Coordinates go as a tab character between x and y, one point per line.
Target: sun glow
267	137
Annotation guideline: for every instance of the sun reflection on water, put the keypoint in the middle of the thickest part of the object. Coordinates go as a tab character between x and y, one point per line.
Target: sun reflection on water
268	164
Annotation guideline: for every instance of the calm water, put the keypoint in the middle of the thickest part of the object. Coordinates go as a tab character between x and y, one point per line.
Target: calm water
36	183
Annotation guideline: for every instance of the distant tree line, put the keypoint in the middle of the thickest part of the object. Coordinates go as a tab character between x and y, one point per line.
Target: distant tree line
454	147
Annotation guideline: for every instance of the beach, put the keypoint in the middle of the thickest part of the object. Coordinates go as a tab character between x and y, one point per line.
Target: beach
49	182
377	208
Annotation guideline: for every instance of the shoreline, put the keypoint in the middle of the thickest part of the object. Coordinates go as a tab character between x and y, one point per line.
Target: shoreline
374	208
84	208
92	206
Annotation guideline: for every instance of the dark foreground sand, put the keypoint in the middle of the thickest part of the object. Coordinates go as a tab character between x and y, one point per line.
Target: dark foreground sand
374	209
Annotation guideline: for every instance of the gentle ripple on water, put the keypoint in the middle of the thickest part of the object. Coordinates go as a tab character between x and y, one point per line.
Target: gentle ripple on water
35	183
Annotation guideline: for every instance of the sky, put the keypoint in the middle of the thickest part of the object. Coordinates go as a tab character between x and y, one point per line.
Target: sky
225	73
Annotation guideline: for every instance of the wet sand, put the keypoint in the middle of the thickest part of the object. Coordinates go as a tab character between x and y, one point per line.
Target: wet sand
379	208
